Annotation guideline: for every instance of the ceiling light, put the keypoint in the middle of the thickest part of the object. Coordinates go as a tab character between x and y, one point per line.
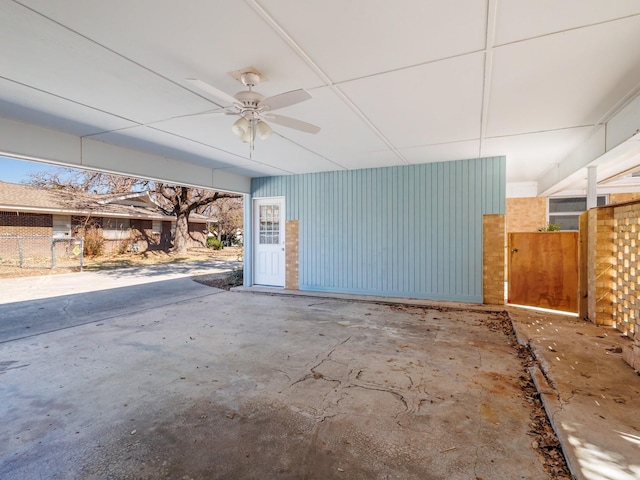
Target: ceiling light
241	128
263	130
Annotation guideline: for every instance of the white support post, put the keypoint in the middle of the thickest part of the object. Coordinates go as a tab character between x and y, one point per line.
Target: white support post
592	187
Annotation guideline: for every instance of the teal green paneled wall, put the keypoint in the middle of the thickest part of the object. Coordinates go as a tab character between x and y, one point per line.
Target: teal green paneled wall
412	231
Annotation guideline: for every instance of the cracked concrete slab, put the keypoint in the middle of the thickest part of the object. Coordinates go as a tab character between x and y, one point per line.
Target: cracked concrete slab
239	385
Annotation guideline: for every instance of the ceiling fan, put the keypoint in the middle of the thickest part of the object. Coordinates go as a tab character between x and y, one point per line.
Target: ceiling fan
253	108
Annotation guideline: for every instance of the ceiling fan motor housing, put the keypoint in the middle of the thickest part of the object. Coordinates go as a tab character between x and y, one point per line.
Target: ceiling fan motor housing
249	99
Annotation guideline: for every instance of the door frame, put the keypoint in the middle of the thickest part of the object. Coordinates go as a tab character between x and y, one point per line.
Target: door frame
255	232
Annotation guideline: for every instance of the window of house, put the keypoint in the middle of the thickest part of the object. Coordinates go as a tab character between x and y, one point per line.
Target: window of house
115	228
61	225
566	211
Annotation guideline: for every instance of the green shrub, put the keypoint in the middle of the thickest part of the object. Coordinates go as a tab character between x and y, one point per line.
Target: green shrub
552	227
213	242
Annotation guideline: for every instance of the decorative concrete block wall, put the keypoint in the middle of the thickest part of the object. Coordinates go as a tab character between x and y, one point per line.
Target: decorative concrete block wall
613	271
626	260
600	268
626	267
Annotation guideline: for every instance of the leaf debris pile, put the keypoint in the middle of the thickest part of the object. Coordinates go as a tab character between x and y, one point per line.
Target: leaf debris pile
545	440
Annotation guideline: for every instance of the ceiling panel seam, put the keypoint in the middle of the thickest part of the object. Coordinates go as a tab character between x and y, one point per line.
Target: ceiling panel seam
271	22
408	67
310	151
488	70
535	132
557	32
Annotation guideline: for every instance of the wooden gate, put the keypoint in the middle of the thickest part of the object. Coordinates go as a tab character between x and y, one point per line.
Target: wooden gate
543	270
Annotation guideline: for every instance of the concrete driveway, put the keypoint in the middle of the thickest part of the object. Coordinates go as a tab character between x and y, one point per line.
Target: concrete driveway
34	305
214	384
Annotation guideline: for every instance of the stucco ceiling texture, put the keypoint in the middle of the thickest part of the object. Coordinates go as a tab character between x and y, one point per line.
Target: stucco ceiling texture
393	83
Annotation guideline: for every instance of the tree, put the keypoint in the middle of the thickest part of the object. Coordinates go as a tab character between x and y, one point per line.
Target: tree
228	214
181	202
172	199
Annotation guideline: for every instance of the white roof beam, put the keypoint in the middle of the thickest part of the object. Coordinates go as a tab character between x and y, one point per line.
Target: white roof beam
612	142
30	142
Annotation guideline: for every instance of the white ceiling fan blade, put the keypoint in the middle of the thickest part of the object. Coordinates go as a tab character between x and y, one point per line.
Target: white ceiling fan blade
285	99
213	91
293	123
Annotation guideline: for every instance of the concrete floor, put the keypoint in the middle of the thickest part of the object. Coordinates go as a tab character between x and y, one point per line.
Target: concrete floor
241	385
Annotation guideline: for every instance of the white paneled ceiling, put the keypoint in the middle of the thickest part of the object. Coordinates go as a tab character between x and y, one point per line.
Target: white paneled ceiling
393	83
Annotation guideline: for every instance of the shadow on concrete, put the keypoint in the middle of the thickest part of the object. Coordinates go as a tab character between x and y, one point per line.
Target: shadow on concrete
34	317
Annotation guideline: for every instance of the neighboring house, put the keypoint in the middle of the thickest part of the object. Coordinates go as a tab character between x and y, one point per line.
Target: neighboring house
133	221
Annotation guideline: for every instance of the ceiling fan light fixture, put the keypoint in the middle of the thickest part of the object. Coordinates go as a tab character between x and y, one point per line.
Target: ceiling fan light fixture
241	128
263	130
247	136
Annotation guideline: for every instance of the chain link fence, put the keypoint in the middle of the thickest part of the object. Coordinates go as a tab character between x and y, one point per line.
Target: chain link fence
41	252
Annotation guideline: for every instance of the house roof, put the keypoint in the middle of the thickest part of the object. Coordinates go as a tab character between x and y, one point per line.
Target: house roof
26	198
551	85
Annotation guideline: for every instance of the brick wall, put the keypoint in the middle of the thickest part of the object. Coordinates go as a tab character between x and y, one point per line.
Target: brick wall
292	248
493	259
526	214
600	270
25	224
615	198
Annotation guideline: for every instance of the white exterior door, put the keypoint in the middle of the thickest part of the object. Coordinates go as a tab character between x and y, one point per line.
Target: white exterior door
269	264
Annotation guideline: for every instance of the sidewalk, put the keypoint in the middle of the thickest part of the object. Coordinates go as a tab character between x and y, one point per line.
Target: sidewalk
591	395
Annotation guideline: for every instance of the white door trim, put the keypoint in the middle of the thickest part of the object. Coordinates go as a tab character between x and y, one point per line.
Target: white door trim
269	258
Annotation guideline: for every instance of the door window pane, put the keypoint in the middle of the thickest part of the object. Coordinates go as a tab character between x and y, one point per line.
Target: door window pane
269	224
